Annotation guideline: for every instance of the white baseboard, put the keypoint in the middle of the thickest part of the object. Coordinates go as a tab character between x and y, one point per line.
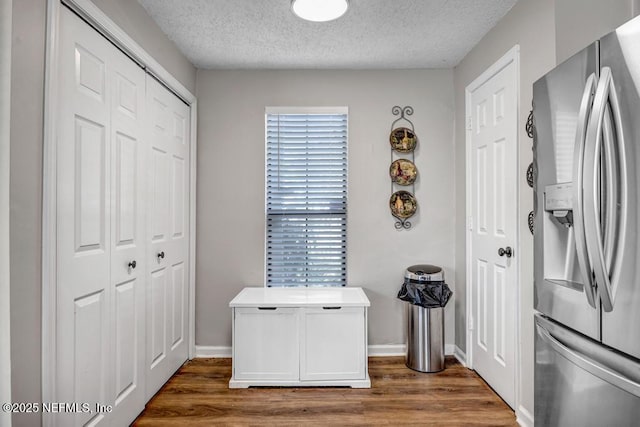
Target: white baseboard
208	351
385	350
460	355
524	417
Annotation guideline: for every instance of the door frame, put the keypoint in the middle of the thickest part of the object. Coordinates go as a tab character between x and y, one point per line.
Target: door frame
109	29
511	57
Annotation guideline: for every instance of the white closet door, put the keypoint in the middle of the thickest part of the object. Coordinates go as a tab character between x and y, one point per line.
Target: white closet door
128	236
100	300
168	241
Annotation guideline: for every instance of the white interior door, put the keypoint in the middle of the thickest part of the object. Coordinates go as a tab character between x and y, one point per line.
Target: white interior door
128	237
168	241
493	169
100	214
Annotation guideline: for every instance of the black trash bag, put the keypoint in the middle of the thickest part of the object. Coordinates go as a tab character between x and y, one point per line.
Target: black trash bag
425	294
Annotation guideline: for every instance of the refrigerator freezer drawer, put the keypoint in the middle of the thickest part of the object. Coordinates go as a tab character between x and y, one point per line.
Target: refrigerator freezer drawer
579	382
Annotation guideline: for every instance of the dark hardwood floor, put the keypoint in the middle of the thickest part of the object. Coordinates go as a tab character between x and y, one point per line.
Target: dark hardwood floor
199	395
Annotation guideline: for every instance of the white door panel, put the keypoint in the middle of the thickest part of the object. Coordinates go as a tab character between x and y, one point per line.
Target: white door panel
84	294
168	241
494	208
178	296
122	200
159	196
157	321
178	197
128	264
100	164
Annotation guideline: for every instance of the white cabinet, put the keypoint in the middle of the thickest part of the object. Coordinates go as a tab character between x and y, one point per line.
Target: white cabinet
332	344
300	337
266	343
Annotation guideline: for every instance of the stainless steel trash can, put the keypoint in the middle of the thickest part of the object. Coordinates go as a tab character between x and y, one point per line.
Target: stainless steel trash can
425	332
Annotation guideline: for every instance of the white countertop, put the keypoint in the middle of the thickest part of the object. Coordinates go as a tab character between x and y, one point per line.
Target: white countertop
301	297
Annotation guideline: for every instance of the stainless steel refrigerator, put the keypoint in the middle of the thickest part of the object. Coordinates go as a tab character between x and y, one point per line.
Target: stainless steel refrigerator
587	216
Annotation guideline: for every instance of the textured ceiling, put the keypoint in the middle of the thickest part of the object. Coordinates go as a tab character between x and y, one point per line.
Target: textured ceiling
373	34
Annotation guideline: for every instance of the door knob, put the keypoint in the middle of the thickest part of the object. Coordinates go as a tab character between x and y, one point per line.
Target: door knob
160	255
506	251
133	264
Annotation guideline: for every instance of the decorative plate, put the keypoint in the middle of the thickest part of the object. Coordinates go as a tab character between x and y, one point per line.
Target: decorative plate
403	172
403	140
403	204
530	175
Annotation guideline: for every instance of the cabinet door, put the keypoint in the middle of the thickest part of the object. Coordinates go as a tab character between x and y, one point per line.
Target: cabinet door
333	343
265	344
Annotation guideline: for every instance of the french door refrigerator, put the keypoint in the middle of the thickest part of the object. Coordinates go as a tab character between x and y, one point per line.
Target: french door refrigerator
587	256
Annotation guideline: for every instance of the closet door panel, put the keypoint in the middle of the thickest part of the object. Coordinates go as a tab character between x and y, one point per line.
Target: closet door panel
178	297
156	331
158	308
83	222
100	228
178	144
168	238
159	195
126	317
126	188
178	198
126	81
89	178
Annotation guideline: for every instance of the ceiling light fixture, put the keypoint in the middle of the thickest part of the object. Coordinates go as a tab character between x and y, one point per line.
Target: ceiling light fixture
319	10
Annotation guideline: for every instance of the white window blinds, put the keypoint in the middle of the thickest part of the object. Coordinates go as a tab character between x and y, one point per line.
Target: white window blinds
306	199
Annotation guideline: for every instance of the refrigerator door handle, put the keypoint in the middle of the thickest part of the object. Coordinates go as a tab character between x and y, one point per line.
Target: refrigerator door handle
610	219
578	179
605	96
585	362
616	229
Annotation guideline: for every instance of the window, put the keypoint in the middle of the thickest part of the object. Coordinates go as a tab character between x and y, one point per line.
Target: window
306	197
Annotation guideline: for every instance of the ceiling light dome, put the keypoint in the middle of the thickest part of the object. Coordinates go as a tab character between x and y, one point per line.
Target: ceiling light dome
319	10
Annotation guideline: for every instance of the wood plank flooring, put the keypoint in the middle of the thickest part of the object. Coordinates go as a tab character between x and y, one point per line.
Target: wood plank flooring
199	395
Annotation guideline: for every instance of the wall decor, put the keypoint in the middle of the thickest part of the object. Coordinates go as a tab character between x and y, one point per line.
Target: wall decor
531	170
403	205
403	171
530	220
530	175
403	140
529	125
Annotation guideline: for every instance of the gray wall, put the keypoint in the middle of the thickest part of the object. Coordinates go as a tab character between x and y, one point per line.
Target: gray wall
531	25
580	22
231	150
27	86
5	291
